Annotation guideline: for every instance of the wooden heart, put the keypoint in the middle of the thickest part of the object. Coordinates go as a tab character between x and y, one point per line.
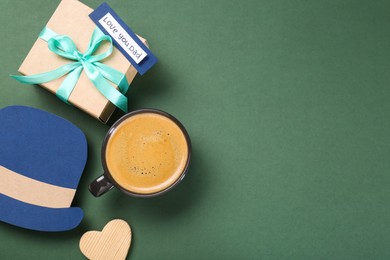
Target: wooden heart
112	243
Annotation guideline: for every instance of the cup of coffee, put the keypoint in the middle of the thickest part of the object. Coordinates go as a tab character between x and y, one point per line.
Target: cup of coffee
144	154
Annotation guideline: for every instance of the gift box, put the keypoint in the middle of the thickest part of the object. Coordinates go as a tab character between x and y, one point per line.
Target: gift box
71	19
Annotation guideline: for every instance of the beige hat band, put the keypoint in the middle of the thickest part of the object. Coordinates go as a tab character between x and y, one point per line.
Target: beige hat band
34	192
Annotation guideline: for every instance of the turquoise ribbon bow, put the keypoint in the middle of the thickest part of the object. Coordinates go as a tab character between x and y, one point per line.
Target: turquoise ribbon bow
96	71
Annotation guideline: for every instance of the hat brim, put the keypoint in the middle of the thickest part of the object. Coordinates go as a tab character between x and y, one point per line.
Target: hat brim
38	218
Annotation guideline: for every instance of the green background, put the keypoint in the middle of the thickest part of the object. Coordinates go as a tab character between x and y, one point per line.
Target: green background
287	105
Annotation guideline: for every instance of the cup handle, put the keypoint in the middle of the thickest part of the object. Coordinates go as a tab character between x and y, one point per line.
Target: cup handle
100	186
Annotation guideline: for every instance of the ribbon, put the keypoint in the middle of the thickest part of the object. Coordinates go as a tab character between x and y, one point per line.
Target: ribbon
97	72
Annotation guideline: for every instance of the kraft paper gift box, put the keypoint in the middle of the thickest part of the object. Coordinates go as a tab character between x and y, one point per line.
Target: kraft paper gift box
71	19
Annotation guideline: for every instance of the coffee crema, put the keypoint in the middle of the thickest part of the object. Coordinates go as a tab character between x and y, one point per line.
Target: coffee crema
147	153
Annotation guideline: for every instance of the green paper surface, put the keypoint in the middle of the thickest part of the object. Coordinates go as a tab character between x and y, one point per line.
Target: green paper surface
287	105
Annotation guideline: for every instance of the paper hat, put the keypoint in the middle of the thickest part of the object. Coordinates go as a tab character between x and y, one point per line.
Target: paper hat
42	157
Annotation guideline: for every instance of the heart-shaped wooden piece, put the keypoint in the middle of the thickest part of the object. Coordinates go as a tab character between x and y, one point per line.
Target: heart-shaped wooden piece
112	243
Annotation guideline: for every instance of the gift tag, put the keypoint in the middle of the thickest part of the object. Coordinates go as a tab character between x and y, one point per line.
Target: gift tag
112	243
123	38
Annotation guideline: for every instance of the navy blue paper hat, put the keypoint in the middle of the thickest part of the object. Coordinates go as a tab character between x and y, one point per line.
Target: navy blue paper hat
42	157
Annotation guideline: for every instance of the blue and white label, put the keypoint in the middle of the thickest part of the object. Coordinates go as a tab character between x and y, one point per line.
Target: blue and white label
124	39
116	31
